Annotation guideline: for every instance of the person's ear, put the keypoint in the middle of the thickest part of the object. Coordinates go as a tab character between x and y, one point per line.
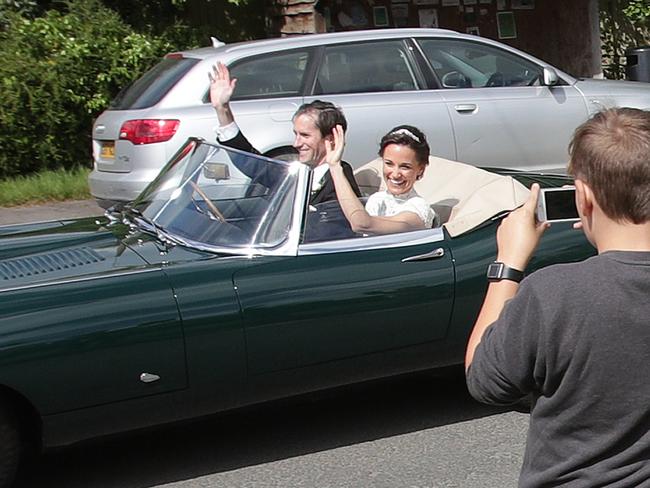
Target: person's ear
584	198
422	167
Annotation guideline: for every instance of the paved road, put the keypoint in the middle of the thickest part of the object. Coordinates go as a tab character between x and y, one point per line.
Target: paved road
415	432
49	211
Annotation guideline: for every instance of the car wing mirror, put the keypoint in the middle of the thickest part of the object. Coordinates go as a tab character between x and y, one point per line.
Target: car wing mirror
454	79
216	171
550	77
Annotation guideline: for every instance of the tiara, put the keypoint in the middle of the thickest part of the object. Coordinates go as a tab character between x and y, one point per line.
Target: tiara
408	133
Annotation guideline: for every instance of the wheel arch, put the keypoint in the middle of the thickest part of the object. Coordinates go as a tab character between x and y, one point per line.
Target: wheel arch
30	422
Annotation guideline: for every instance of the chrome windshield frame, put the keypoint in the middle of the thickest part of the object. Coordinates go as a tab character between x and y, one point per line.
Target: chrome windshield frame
290	246
300	174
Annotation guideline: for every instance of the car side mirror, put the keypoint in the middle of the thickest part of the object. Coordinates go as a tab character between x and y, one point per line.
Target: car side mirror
216	171
454	79
550	77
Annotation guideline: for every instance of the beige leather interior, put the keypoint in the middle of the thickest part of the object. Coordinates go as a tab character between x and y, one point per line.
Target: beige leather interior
462	195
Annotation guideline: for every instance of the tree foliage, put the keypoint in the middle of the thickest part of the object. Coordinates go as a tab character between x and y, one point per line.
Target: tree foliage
64	60
229	20
623	24
58	72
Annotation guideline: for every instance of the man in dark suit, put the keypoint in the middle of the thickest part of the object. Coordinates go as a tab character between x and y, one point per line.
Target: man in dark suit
312	125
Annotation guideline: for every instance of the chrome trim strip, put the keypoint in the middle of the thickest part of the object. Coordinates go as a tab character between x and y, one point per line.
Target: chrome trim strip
300	204
52	221
388	241
77	280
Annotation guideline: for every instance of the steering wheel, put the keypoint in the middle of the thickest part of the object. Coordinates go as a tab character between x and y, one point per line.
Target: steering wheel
496	79
211	206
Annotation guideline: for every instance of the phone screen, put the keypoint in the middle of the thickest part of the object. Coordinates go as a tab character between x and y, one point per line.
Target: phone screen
561	204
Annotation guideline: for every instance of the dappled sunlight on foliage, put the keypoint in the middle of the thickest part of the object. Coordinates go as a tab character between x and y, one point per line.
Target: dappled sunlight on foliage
624	24
62	66
58	72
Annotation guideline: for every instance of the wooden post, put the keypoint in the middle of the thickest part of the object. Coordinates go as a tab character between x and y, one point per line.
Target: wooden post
294	17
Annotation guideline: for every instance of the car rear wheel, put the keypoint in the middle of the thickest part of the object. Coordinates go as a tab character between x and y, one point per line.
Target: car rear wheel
10	446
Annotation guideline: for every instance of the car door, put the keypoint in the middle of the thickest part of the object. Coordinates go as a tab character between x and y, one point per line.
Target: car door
345	299
378	86
212	326
112	337
501	113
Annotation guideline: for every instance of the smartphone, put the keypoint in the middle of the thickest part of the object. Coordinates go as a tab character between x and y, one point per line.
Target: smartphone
557	205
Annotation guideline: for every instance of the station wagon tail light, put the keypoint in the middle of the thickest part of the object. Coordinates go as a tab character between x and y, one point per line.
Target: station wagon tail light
148	131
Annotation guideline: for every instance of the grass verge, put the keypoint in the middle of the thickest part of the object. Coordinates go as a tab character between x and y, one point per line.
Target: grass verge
47	186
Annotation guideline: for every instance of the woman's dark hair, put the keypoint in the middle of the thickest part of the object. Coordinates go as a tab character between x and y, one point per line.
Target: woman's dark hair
407	135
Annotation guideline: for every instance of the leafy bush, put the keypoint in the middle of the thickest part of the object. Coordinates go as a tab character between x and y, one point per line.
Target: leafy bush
58	72
228	20
25	7
624	24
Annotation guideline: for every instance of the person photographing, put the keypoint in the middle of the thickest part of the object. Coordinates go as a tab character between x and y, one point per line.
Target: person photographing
576	337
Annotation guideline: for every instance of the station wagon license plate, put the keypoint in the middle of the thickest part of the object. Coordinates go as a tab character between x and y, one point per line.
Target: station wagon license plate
107	150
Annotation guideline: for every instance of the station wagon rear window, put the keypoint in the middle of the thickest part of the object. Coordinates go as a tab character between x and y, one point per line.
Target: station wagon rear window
149	89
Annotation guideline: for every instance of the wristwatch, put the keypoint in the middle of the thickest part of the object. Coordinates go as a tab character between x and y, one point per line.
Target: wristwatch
498	271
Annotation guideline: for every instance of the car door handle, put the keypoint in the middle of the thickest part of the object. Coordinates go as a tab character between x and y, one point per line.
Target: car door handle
149	377
435	254
465	108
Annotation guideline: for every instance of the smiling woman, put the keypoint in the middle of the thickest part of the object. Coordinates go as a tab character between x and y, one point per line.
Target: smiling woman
405	152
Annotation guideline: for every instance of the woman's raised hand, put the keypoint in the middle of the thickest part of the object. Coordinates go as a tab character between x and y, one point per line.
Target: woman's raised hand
221	86
334	146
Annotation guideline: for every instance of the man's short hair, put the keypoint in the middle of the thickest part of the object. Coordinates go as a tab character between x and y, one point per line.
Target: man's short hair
611	153
326	116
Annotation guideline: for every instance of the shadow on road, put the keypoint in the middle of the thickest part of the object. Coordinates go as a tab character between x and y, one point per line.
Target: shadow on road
262	434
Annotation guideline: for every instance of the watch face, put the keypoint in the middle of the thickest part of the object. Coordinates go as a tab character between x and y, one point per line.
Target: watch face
499	271
495	271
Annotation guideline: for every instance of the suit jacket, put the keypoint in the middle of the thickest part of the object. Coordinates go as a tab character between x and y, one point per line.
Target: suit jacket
326	192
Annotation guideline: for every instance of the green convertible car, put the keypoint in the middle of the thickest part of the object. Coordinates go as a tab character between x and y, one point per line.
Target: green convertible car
220	286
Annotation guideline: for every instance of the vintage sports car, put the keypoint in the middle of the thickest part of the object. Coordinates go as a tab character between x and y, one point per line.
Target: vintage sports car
220	286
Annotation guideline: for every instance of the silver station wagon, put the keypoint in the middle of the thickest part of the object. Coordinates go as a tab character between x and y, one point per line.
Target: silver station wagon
478	101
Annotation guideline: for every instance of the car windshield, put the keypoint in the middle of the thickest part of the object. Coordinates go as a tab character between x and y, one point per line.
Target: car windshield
214	198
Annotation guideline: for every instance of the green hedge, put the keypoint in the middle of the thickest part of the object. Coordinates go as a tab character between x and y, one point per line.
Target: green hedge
624	24
58	72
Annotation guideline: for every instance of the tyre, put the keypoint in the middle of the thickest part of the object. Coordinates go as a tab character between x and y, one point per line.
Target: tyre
10	446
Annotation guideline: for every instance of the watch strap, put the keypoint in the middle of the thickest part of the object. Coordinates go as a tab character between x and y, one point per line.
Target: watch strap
498	271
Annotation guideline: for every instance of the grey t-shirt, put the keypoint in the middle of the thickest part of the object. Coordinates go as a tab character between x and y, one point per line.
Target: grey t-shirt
576	336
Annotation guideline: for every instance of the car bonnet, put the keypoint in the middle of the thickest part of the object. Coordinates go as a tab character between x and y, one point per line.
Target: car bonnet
50	252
